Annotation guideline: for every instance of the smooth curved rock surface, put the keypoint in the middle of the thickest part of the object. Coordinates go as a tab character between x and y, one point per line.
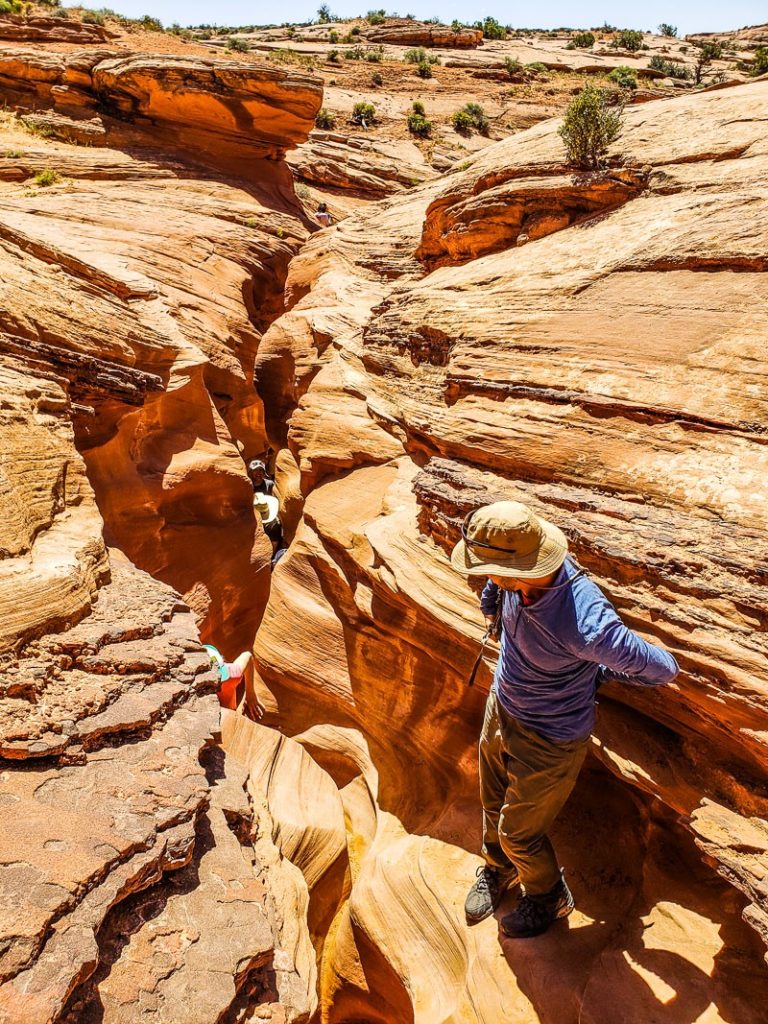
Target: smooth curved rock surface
609	373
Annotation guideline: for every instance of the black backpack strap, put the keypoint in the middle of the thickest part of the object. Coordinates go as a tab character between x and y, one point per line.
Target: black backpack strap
492	633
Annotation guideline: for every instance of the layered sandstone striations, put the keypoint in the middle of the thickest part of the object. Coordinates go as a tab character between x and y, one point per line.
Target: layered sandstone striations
134	294
594	347
147	287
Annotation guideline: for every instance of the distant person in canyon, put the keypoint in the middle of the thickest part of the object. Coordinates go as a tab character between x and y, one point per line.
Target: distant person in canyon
257	473
322	216
560	639
237	689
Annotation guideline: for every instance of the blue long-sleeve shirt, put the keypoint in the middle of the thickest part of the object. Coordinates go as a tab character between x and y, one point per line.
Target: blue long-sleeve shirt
554	650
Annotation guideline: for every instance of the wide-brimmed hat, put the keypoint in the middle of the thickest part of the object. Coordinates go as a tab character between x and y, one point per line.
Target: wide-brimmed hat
267	506
508	539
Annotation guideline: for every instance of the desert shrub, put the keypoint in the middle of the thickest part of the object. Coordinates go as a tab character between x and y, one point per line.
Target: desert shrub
513	66
670	31
668	68
624	77
363	112
375	56
456	25
424	69
589	126
707	52
418	123
325	119
333	57
462	122
418	55
537	67
479	120
760	66
470	116
356	53
49	3
583	41
376	17
376	78
6	7
238	45
333	36
324	14
491	28
97	18
355	30
629	39
150	24
46	178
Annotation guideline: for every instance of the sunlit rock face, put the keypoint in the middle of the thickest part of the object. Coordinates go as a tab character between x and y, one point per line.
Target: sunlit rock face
593	346
134	293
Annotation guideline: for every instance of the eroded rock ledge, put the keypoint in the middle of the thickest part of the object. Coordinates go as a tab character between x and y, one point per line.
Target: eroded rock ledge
609	372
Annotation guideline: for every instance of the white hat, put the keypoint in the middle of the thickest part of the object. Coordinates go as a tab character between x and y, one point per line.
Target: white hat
267	506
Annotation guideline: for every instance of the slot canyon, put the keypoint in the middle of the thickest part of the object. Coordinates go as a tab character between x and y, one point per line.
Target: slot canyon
592	344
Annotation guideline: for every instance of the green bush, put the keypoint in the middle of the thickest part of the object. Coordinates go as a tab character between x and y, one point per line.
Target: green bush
670	31
333	36
46	178
462	122
629	39
491	28
583	41
6	7
376	78
49	3
324	14
356	53
238	45
760	66
333	57
325	119
418	55
588	128
470	116
355	30
150	24
707	52
624	77
418	123
97	18
424	69
668	68
376	17
537	67
513	66
363	112
375	56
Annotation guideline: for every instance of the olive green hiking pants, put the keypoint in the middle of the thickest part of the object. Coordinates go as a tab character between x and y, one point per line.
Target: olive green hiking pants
524	781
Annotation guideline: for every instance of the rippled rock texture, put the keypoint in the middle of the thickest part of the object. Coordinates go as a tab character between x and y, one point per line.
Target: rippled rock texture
593	345
134	292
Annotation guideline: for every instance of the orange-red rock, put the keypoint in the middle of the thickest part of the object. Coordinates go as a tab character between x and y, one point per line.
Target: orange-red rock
607	372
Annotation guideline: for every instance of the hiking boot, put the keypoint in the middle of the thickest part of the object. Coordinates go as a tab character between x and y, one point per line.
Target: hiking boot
534	914
485	895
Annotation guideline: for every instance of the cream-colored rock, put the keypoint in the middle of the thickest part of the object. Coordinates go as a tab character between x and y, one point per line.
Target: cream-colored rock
608	373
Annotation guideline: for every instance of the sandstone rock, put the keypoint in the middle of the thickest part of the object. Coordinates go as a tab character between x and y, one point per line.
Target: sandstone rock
408	33
360	165
38	29
605	372
221	112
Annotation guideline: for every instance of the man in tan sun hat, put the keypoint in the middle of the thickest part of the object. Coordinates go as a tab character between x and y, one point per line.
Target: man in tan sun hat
560	637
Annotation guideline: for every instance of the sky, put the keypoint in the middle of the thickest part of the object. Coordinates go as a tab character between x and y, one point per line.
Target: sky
688	15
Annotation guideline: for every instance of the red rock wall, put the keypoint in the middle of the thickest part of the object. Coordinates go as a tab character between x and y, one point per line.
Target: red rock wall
602	364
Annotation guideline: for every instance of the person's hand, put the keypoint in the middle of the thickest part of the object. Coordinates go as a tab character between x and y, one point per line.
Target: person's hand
255	710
